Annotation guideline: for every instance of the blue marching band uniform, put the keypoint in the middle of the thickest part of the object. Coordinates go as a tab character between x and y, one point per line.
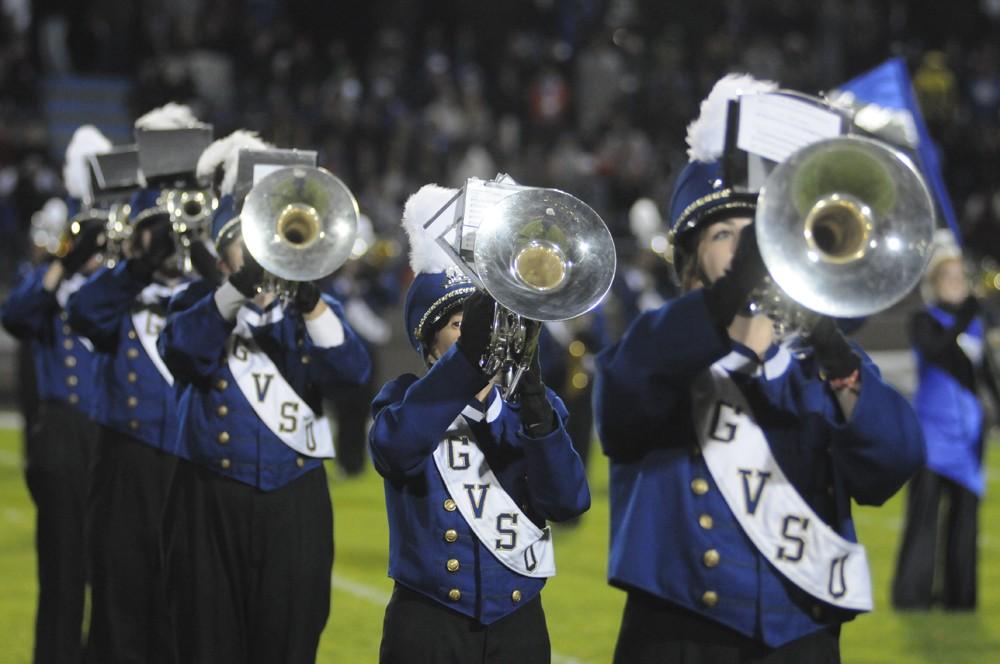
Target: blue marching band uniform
208	519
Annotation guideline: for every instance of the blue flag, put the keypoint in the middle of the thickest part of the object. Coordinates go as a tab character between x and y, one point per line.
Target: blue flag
889	85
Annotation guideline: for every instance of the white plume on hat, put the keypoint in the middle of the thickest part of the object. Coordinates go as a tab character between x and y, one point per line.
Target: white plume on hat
87	140
425	253
225	152
169	116
48	224
706	136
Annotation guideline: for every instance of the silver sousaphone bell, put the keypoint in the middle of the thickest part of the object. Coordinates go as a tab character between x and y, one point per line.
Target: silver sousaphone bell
844	227
299	223
543	255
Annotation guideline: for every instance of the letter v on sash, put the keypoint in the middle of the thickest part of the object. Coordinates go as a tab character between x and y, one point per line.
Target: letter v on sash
262	391
752	497
477	505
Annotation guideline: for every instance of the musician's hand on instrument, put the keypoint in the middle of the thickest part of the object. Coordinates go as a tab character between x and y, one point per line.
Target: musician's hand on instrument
155	245
537	415
727	296
477	326
306	297
87	245
836	358
248	277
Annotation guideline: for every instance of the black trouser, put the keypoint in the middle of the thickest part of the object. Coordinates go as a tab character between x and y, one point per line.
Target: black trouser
656	632
350	408
418	630
248	571
58	455
125	510
930	499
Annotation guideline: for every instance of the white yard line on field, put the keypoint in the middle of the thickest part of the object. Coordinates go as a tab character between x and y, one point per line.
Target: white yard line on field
381	598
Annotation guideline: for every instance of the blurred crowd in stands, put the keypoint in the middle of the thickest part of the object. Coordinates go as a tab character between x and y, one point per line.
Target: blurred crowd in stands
591	96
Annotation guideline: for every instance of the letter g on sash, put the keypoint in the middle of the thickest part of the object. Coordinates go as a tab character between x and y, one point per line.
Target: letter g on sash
458	460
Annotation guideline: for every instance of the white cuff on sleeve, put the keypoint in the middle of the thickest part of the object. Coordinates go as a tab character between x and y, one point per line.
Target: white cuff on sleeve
326	330
229	300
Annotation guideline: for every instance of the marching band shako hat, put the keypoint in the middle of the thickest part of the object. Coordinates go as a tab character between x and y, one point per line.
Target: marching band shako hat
701	194
439	287
218	165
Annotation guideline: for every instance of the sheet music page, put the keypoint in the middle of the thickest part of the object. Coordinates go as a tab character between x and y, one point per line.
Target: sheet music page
261	171
480	196
774	126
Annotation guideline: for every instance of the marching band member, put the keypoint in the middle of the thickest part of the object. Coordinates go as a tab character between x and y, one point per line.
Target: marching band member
470	479
248	531
121	311
949	338
734	457
61	443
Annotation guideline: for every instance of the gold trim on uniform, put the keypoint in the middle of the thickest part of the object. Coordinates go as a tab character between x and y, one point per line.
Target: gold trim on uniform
441	300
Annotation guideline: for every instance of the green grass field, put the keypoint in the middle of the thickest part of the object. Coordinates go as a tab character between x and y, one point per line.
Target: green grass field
583	612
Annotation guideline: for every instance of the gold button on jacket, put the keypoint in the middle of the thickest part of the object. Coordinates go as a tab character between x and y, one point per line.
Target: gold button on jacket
450	535
225	463
516	596
69	361
132	402
709	598
224	437
300	462
68	344
72	380
74	399
710	558
454	594
450	505
133	424
706	521
453	565
132	353
699	486
132	376
221	384
222	410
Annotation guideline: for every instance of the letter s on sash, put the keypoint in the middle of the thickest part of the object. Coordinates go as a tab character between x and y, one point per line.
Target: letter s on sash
509	533
289	417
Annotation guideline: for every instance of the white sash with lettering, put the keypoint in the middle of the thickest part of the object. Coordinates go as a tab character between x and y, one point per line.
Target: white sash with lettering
276	403
778	521
492	514
148	324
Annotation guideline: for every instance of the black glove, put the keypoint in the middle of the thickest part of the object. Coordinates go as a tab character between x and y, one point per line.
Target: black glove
835	356
147	260
477	324
205	263
306	296
537	414
727	296
90	242
247	278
